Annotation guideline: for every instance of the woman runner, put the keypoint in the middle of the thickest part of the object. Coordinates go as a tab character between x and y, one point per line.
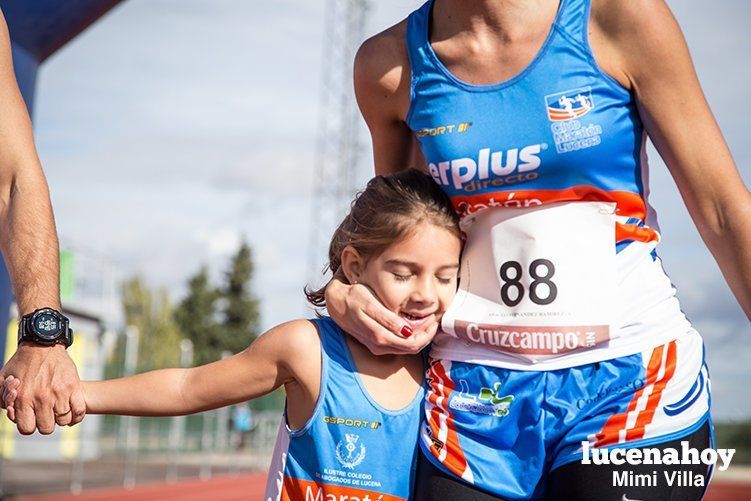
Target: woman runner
532	115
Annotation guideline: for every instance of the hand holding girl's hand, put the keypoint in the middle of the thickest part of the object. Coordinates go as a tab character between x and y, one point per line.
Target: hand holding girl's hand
356	310
10	392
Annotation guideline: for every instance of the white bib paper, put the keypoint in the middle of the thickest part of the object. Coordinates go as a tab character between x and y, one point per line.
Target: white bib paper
537	283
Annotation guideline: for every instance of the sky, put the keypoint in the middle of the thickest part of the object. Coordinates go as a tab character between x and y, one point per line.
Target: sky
171	130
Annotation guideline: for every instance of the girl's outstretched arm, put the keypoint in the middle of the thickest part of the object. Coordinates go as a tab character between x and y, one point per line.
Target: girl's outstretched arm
279	356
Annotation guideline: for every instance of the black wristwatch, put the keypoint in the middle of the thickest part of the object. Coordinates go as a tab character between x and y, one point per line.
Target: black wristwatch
45	326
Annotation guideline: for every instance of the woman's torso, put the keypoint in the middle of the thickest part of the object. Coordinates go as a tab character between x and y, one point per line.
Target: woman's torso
559	131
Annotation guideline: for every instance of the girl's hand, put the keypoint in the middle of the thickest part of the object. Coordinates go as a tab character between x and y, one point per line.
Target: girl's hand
359	313
10	392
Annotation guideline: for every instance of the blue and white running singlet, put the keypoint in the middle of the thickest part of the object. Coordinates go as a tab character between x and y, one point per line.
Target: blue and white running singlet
565	327
351	447
560	132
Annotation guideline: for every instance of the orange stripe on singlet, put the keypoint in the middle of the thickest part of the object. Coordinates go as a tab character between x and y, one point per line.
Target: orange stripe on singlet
628	204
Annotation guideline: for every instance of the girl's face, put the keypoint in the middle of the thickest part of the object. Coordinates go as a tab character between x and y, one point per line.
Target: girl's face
415	277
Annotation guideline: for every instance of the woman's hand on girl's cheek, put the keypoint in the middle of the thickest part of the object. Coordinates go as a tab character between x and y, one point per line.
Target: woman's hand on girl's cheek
356	310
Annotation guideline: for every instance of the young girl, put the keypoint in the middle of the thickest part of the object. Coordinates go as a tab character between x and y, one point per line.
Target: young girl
352	418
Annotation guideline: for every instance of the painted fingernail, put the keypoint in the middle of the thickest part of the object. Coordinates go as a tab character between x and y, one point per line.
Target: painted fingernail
406	331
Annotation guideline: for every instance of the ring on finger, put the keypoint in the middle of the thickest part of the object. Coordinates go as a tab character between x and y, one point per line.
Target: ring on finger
63	413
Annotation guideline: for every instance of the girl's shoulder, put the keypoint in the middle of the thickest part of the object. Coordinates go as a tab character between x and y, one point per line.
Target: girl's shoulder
304	337
300	352
296	337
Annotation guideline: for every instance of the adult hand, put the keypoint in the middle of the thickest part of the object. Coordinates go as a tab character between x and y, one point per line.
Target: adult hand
8	394
50	391
357	310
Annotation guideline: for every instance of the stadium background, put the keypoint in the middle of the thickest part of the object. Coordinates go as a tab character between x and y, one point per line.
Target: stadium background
203	119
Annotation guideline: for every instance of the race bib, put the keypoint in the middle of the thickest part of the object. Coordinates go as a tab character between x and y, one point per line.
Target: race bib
537	283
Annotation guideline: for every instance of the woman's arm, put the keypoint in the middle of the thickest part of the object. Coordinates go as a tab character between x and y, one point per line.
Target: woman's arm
382	83
646	49
284	354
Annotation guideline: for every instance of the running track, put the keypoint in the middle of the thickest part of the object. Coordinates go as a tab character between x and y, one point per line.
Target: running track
251	486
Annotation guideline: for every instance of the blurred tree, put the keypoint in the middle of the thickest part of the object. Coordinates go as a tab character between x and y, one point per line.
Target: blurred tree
114	365
165	348
240	315
224	318
151	312
196	316
136	299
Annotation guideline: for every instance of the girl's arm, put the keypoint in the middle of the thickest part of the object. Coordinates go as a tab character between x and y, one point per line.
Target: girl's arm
648	54
284	354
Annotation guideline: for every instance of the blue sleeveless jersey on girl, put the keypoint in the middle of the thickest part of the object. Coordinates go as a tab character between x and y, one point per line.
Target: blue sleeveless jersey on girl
351	447
561	131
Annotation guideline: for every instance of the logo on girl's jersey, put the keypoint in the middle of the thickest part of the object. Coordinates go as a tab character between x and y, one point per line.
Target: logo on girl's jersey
570	104
352	453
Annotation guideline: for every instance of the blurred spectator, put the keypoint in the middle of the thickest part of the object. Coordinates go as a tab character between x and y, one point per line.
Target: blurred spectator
242	424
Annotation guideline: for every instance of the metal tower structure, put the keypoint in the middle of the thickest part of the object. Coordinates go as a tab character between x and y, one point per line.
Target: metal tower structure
338	148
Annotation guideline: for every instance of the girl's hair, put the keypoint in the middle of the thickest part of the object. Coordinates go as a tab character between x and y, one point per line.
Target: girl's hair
387	210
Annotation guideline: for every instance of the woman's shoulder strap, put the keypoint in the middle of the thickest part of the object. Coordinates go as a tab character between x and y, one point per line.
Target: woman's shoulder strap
573	19
418	25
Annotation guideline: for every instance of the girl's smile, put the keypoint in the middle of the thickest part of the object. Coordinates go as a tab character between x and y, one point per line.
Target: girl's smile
414	277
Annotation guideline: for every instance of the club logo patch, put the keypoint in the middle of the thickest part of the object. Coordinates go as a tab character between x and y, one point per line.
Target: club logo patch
569	105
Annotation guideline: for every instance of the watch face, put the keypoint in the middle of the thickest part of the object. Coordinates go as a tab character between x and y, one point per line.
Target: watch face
47	325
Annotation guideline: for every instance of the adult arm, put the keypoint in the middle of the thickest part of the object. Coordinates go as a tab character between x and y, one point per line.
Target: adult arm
647	52
381	75
382	88
28	241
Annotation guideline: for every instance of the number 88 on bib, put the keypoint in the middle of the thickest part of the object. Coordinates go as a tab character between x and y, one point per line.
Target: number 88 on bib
537	283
